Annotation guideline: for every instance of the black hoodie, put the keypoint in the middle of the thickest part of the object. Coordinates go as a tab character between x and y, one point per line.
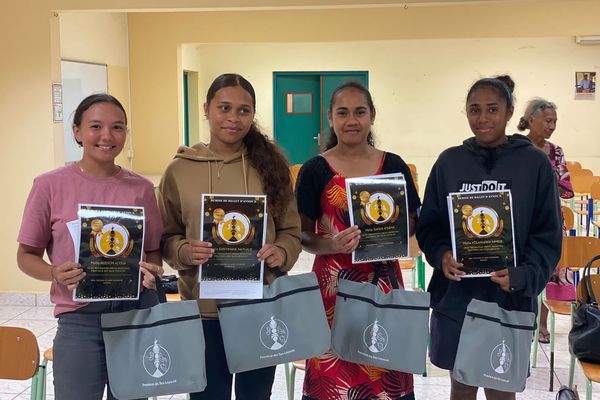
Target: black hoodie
525	170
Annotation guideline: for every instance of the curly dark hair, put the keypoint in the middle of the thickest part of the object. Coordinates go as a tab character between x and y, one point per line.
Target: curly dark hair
332	140
265	156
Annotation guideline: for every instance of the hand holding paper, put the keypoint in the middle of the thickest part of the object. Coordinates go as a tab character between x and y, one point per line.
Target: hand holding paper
68	273
502	278
451	267
347	240
199	251
272	255
149	273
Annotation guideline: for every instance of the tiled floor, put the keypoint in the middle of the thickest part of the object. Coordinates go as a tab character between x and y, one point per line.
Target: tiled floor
39	319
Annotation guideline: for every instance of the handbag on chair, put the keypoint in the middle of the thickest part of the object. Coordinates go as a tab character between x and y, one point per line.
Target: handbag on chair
584	334
566	393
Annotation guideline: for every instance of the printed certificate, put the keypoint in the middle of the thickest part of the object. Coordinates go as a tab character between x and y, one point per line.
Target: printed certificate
481	226
379	207
110	249
236	227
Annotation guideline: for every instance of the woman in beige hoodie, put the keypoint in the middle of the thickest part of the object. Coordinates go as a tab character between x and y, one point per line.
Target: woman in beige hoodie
238	160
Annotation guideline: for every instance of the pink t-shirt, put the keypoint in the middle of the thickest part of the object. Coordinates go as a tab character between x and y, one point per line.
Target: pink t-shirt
54	200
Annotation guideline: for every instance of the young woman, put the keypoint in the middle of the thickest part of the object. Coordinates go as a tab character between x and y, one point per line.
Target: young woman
540	118
321	196
100	127
239	160
507	162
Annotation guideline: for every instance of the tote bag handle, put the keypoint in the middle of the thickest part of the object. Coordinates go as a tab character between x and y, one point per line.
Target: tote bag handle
160	289
391	273
278	273
587	279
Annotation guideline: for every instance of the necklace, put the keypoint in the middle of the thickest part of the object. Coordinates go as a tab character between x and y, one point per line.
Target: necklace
116	170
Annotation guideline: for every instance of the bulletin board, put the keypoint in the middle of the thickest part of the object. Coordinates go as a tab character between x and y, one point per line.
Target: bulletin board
79	80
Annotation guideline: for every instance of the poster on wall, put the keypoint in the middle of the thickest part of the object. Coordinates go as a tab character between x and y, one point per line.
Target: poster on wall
585	84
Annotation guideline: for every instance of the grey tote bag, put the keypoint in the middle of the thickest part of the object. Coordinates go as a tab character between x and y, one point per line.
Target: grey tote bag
287	324
386	330
156	351
494	347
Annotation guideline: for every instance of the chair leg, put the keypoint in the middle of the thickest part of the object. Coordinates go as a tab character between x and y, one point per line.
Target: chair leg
290	379
551	314
572	362
536	346
421	272
38	383
34	385
571	371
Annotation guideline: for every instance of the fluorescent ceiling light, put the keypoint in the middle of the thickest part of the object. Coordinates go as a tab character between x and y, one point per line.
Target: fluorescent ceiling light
588	39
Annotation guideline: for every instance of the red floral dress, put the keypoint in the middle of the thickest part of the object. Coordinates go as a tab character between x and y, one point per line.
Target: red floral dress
327	377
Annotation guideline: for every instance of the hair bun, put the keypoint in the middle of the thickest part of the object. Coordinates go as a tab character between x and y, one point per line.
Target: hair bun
507	80
523	124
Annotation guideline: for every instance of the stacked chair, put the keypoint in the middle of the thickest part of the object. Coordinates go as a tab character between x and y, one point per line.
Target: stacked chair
581	221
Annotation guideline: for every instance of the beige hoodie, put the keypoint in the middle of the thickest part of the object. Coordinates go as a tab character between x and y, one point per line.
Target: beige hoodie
197	170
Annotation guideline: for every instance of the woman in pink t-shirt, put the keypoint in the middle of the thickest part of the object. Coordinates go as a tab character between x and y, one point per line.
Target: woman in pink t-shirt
100	128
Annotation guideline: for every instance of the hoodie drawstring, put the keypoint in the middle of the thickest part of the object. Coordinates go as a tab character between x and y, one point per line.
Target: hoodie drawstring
244	172
489	159
209	176
219	174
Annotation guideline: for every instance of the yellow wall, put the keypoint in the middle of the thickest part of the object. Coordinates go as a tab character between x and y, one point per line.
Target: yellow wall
100	38
31	62
419	86
31	52
155	79
28	134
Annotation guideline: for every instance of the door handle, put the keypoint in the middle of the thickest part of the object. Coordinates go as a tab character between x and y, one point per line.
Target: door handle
318	138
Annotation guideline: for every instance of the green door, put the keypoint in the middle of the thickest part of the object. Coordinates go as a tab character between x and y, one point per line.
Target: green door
301	101
297	115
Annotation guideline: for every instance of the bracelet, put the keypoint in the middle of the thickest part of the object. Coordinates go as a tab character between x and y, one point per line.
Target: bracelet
52	274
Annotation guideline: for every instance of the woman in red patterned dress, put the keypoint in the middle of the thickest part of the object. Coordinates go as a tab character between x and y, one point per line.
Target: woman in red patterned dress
326	232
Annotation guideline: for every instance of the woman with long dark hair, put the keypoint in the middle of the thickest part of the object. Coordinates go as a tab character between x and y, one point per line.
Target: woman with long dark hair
239	159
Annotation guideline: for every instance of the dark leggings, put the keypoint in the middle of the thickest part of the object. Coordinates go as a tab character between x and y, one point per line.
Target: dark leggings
249	385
